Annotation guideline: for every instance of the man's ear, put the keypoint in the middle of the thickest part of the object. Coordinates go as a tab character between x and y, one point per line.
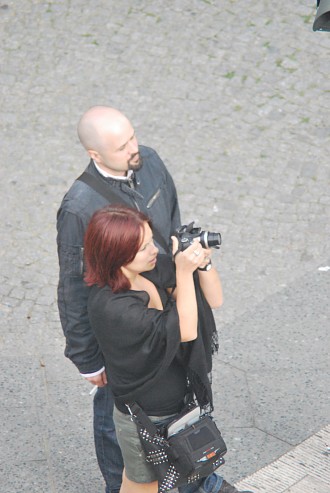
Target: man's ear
94	155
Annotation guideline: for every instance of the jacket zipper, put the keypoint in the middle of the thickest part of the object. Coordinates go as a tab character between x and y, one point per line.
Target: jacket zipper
81	260
153	198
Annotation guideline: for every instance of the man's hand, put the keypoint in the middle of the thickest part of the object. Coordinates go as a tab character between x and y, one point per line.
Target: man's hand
99	380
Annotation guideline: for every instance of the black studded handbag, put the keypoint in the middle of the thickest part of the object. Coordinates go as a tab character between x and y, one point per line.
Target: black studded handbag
189	448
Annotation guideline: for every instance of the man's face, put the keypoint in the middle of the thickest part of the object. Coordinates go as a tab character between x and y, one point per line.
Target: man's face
119	150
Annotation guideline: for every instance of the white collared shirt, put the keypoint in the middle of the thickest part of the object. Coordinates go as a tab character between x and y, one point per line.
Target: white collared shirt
108	175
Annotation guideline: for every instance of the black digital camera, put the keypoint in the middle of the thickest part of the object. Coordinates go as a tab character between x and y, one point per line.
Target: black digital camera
187	233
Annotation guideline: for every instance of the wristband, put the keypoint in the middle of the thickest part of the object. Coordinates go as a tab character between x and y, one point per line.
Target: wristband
207	267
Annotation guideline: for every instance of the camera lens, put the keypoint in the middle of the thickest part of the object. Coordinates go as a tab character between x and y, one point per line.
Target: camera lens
209	240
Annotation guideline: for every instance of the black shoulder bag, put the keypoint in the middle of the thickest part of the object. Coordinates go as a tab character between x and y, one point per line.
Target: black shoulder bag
189	448
109	194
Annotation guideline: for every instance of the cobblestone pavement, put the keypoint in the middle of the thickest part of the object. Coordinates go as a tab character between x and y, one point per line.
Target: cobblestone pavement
235	97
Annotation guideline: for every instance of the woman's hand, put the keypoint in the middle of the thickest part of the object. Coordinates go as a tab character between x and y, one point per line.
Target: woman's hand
207	257
192	257
188	261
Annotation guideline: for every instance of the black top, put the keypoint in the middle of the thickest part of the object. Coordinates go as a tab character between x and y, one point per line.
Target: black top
144	357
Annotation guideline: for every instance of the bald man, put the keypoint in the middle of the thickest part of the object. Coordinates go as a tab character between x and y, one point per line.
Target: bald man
109	138
139	178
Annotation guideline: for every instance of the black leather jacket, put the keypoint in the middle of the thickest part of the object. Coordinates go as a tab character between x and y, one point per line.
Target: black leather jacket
153	192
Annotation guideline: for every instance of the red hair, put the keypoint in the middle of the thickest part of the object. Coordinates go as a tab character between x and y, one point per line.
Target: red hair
112	239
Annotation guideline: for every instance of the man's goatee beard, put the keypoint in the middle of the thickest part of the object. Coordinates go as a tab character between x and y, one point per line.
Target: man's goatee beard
137	166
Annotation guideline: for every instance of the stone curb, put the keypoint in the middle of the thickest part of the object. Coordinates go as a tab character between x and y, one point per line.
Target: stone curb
305	469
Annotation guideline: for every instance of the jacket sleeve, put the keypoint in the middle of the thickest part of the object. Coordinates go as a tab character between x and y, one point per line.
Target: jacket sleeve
81	346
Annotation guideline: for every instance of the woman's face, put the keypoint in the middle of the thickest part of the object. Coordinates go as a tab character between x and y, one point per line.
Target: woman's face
146	257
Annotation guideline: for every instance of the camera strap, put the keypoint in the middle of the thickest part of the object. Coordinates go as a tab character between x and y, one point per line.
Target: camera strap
109	194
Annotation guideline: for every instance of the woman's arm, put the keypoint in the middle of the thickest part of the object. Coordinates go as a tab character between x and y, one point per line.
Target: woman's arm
210	281
186	263
211	286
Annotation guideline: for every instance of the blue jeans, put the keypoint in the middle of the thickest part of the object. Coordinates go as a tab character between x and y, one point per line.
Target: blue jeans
211	484
109	455
107	449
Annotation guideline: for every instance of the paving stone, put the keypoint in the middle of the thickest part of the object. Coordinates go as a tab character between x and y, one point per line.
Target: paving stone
236	101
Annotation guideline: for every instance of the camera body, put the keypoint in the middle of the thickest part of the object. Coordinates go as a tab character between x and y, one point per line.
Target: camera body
187	233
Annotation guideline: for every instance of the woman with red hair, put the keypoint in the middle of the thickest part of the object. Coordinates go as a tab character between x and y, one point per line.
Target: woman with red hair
152	318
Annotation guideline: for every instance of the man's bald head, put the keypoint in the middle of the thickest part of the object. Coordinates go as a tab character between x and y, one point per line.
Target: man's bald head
98	123
109	138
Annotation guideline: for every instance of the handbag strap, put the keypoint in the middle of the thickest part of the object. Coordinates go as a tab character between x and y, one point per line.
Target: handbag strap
113	197
140	417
